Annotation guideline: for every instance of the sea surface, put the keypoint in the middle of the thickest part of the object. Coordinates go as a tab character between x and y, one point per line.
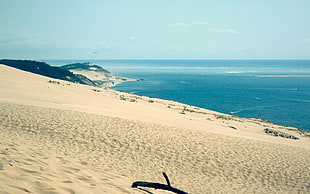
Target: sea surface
275	90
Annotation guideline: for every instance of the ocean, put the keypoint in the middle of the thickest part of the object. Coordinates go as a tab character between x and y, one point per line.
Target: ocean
274	90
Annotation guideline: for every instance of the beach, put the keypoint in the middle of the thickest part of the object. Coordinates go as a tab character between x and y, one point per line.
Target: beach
62	137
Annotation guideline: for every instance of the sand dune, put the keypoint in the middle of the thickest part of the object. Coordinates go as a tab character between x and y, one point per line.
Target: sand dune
60	137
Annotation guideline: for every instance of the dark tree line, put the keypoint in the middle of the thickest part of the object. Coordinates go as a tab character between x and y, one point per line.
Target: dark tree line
44	69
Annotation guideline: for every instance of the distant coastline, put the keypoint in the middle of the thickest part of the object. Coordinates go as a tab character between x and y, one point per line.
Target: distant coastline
283	76
83	73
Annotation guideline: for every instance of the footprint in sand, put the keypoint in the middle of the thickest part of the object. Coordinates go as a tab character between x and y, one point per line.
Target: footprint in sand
68	190
21	188
29	171
67	181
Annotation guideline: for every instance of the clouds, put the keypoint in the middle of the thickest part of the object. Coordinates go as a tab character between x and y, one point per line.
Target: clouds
25	42
225	30
307	40
201	23
20	41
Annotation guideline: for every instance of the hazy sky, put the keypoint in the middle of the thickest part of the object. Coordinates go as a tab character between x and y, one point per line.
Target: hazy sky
221	29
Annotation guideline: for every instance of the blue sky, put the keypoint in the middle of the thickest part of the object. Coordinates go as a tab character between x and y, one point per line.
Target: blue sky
202	29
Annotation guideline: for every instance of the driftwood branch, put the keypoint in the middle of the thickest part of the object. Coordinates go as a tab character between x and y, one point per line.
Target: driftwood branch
158	185
167	179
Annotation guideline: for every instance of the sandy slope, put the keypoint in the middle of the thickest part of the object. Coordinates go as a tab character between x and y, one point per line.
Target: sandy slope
62	137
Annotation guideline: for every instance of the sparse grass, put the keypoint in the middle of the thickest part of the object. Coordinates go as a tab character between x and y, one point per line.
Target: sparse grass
279	134
53	82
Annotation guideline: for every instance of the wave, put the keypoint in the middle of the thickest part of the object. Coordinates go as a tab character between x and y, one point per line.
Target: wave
290	89
184	82
299	100
250	108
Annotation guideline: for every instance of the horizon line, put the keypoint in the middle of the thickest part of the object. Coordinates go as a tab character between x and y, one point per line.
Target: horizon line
156	59
177	59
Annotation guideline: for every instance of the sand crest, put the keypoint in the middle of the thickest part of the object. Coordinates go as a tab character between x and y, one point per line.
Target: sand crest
59	137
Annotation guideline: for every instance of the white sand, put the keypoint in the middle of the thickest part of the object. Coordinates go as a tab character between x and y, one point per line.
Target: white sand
107	79
62	137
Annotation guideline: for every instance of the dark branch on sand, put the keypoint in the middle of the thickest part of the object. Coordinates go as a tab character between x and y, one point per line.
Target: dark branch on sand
158	185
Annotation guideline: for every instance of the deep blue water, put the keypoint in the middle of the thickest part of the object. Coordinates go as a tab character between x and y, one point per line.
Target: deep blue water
246	88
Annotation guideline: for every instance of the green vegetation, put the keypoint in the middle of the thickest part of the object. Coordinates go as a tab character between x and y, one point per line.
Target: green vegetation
44	69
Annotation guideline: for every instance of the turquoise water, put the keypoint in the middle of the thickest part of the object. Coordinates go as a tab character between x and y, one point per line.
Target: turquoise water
246	88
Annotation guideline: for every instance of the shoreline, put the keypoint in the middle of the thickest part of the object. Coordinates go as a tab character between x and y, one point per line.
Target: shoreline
230	114
127	100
